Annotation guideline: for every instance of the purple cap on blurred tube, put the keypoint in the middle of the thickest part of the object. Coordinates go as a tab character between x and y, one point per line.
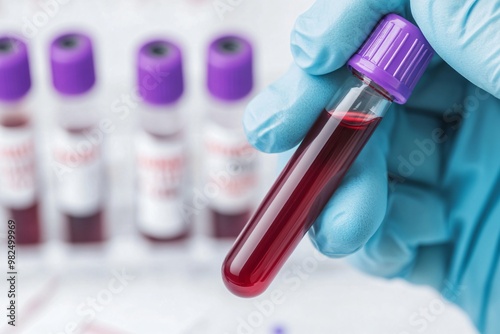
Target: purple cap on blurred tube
230	68
72	62
15	79
159	72
395	56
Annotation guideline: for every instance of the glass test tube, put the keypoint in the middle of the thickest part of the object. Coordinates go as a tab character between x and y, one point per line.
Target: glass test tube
230	169
160	144
18	186
385	69
78	162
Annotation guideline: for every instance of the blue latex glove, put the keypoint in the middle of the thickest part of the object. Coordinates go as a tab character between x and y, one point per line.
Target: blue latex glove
436	220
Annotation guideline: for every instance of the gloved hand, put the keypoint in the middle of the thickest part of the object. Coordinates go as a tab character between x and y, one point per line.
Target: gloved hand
422	201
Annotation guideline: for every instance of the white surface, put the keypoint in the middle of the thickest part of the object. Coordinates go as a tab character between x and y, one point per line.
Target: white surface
179	290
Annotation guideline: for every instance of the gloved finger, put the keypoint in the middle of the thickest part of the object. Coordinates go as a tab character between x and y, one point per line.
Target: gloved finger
420	140
326	35
471	154
415	217
479	271
466	34
438	92
431	267
417	148
491	320
358	206
279	117
472	181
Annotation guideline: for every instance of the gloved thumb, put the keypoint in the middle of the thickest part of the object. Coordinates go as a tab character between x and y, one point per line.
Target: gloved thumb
466	34
326	35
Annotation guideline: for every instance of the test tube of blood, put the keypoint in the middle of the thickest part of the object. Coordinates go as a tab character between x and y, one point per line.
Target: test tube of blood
384	70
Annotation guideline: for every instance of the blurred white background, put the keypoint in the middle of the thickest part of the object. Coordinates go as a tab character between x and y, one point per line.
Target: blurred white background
128	286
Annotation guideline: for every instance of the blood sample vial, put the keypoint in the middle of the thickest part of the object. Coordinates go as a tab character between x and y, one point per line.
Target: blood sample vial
160	145
78	162
384	70
18	191
230	168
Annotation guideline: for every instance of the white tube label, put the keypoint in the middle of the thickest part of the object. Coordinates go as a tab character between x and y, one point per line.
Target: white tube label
79	169
17	167
160	168
230	169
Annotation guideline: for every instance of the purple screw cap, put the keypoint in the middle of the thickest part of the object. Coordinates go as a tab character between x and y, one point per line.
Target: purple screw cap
15	78
159	72
395	56
72	62
230	68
